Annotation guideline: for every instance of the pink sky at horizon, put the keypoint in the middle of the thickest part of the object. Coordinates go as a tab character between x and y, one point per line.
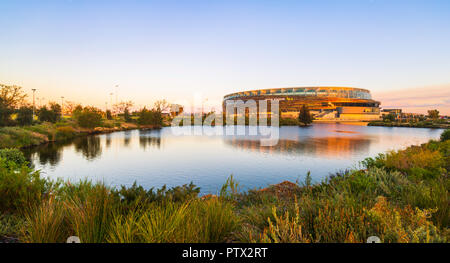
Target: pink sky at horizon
417	100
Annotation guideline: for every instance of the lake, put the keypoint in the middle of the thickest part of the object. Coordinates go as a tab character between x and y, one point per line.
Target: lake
154	158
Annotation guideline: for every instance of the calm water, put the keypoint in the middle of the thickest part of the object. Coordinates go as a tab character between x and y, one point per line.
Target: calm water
154	158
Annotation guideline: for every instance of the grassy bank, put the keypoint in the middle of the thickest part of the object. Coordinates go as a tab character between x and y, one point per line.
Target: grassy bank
419	124
399	196
26	136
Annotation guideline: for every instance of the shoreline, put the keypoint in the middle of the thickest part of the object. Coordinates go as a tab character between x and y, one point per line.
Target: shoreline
52	134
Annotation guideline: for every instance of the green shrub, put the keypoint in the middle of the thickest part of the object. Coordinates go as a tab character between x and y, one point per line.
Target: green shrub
25	116
89	117
162	223
136	193
16	137
46	223
214	220
13	155
52	115
91	213
10	225
65	132
445	135
20	187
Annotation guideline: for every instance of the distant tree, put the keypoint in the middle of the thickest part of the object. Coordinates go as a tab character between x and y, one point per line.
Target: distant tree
12	96
44	114
161	105
57	111
69	107
89	117
108	115
122	106
51	115
25	115
305	116
77	111
127	115
389	117
149	117
433	114
5	114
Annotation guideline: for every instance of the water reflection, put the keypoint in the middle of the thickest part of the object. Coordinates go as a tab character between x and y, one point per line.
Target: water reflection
51	153
150	138
329	147
89	146
154	158
108	140
127	138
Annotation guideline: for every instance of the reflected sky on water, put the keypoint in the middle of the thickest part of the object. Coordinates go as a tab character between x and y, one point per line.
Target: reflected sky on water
157	157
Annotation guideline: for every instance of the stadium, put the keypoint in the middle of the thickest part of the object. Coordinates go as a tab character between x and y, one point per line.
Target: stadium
325	103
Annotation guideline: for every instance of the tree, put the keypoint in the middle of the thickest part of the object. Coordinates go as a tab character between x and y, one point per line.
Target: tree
12	96
127	115
108	115
305	116
433	114
89	117
122	106
69	107
5	114
51	115
161	105
389	117
25	115
150	117
77	111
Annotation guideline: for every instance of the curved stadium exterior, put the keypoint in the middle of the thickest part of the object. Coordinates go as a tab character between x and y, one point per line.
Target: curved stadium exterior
326	103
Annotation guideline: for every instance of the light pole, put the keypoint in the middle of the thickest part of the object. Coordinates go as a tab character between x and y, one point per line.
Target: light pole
62	106
111	102
116	93
34	90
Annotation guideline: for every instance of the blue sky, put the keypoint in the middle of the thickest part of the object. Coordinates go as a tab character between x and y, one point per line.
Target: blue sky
81	49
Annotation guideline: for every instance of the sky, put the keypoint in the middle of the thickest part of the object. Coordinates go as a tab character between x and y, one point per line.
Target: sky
142	51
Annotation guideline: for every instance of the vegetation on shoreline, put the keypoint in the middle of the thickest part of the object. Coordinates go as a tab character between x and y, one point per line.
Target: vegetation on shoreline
24	125
420	124
399	196
422	121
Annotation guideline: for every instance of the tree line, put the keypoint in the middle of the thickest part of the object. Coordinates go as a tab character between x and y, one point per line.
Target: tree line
16	111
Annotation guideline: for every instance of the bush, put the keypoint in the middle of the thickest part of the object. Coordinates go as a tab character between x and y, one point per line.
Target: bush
5	114
289	122
150	117
108	115
15	137
64	133
25	116
445	135
52	115
46	224
90	117
20	187
13	155
403	225
91	213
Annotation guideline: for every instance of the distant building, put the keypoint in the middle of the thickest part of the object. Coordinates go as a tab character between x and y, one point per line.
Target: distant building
326	103
393	111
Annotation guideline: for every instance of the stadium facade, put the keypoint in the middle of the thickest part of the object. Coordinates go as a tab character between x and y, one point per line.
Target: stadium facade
325	103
